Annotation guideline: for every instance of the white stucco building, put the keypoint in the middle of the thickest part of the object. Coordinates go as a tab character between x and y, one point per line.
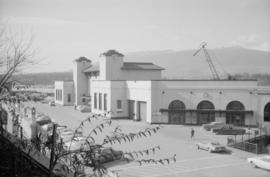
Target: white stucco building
137	91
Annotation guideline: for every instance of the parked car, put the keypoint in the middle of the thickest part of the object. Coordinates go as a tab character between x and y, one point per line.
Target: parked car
211	146
52	103
83	108
260	162
213	125
102	154
229	130
108	155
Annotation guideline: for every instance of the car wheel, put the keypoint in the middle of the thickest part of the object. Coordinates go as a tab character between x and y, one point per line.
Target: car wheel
253	165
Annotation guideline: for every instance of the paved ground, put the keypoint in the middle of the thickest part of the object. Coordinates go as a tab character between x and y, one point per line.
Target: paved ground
173	139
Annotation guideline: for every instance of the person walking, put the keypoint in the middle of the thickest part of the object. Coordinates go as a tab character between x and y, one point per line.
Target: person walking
192	133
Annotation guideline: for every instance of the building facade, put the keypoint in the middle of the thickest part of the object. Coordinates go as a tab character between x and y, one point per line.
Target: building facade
137	91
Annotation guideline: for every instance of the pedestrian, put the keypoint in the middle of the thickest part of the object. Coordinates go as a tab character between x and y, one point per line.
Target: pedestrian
192	133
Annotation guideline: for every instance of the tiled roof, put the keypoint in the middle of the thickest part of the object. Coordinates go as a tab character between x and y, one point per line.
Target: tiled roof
82	59
92	68
128	66
112	52
140	66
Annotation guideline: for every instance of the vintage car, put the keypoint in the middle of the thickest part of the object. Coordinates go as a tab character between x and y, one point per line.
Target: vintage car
213	125
229	130
83	108
211	146
51	103
260	162
101	154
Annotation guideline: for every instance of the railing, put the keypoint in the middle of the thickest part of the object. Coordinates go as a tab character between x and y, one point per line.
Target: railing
250	144
245	146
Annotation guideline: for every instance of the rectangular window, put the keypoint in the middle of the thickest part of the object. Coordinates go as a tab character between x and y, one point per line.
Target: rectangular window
69	97
100	101
119	104
55	94
105	101
60	95
95	100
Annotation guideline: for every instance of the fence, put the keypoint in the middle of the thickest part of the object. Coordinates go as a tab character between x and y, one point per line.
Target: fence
245	146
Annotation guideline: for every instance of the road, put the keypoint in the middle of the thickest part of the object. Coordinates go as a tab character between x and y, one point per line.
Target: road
173	139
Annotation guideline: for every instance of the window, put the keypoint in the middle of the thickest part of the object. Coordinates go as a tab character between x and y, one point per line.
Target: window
267	113
105	102
56	94
60	95
69	97
95	100
100	101
119	104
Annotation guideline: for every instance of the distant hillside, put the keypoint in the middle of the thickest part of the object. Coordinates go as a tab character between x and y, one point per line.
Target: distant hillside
182	64
235	61
43	78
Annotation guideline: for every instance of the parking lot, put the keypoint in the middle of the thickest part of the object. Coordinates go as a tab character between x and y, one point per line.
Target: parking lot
173	139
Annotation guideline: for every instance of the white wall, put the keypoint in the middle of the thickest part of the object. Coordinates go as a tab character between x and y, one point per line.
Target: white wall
67	87
140	91
262	101
110	67
191	93
80	80
103	87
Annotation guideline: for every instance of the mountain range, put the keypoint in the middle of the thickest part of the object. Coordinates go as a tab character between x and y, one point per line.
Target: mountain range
237	61
182	64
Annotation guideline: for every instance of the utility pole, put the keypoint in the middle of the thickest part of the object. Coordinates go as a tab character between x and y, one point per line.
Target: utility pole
52	150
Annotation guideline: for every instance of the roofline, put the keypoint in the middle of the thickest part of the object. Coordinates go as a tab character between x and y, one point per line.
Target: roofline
123	68
140	62
222	80
182	80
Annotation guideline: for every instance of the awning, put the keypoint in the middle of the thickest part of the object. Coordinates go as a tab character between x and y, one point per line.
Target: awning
206	111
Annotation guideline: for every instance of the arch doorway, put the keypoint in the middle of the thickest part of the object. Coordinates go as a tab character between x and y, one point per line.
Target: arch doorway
205	113
235	114
176	113
267	113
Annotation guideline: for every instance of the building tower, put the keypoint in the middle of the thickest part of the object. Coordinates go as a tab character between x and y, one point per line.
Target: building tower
80	80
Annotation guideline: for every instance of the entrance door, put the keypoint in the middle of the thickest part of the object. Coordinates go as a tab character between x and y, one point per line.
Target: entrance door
206	115
177	118
131	109
236	116
142	111
176	112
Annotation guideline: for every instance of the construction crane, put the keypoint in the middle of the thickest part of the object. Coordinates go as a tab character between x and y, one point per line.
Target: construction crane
209	61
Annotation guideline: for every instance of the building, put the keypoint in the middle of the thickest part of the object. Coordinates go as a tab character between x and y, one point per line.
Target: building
137	91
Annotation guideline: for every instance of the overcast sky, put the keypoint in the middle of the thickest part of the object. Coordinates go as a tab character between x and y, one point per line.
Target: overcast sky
67	29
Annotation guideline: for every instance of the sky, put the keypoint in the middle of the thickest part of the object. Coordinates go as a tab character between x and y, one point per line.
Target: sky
67	29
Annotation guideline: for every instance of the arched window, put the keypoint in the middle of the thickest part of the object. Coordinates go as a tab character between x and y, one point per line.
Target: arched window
235	105
177	104
205	105
205	113
235	114
267	112
176	113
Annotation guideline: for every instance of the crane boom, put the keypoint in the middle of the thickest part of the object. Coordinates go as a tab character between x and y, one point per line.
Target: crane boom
209	61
